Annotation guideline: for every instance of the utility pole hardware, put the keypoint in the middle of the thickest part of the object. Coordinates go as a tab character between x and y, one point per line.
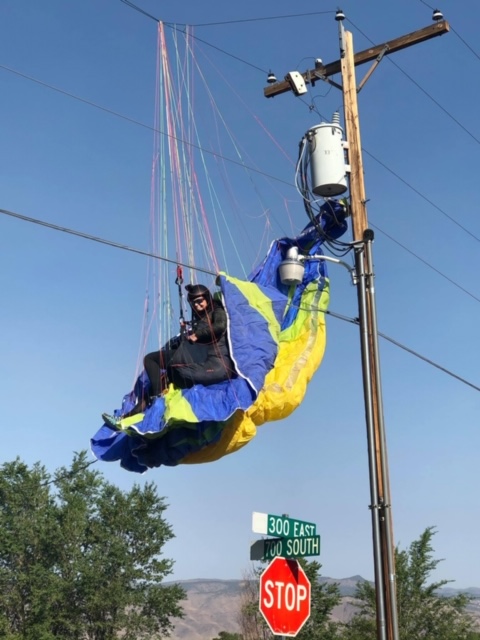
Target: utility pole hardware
380	503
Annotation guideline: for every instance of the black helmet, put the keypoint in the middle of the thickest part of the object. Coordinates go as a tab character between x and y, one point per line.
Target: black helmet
198	291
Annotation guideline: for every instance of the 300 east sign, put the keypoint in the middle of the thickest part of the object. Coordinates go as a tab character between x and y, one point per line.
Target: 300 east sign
281	526
288	528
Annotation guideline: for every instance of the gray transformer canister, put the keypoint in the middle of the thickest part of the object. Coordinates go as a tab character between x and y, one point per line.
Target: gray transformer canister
327	160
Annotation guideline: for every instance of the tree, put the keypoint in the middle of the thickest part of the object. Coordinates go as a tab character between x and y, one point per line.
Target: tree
423	614
81	559
228	635
324	597
251	621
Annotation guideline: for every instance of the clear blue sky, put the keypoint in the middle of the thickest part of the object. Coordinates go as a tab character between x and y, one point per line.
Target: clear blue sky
71	309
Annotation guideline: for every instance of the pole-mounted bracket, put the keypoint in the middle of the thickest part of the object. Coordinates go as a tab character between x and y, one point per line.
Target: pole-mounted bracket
372	68
330	69
312	76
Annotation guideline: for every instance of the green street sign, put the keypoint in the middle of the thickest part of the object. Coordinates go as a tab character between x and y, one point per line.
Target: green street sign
281	526
285	548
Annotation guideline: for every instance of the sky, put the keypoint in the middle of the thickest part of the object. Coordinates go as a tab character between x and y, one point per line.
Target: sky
80	157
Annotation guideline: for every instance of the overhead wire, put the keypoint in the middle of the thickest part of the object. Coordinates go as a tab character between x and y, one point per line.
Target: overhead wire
455	32
242	164
311	106
137	122
68	474
137	8
277	17
218	155
424	197
116	245
430	266
419	86
149	254
61	476
390	237
408	350
172	25
110	243
238	163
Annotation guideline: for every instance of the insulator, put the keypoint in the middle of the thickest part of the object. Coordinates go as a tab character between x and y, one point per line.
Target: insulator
437	15
336	118
271	78
339	15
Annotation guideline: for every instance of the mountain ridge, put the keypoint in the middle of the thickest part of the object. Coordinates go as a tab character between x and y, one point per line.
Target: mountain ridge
213	605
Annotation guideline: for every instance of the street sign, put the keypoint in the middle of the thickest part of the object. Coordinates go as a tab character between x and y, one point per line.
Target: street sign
282	526
285	547
285	597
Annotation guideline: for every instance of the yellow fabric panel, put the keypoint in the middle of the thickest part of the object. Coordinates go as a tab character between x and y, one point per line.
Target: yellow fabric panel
238	432
260	302
301	350
182	411
177	407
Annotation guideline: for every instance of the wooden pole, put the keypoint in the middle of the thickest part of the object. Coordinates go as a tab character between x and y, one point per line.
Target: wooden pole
383	572
352	126
382	527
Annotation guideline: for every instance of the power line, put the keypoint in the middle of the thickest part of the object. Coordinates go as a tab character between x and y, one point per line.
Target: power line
440	273
68	474
453	220
214	24
398	344
213	46
455	32
424	91
419	193
218	155
134	6
141	124
173	26
428	361
116	245
110	243
408	350
291	15
241	164
465	43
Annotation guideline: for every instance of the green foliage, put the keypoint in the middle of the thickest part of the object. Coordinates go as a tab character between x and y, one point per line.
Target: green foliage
422	613
80	559
252	623
324	598
226	635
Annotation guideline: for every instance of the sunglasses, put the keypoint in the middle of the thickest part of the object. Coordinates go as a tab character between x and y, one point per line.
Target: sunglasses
198	301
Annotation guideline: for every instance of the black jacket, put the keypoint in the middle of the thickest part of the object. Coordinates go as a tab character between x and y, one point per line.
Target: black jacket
206	361
211	326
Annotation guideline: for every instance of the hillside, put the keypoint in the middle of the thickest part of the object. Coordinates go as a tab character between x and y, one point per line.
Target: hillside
213	605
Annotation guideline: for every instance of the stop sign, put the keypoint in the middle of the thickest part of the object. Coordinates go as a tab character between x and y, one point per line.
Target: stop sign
285	596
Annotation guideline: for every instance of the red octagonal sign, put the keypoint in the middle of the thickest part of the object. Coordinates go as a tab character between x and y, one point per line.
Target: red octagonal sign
285	596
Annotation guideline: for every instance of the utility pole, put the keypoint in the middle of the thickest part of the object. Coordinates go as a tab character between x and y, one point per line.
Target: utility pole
380	503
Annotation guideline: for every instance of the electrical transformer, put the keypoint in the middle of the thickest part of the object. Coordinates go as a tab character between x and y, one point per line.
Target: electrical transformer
327	158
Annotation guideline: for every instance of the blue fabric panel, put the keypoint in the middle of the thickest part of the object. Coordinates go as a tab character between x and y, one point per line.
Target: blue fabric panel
219	401
253	348
110	446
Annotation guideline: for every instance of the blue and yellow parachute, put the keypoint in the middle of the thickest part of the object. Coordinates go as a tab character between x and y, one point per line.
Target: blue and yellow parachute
277	340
